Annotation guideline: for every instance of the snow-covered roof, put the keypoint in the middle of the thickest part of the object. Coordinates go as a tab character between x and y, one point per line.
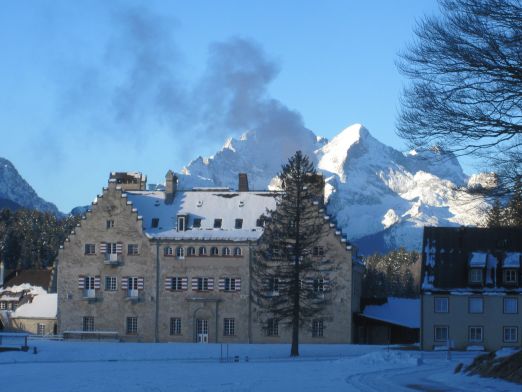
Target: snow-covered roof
512	259
478	259
42	305
206	205
400	311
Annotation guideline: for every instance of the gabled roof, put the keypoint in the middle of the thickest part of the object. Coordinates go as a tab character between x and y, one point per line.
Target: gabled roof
400	311
41	278
206	205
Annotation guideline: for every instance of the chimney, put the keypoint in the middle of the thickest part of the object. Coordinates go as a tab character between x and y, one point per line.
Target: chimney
243	182
171	186
2	274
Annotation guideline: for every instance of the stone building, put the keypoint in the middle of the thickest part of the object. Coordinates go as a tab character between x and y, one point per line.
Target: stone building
472	290
174	266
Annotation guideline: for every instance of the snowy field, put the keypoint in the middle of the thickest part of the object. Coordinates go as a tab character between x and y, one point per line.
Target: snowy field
82	366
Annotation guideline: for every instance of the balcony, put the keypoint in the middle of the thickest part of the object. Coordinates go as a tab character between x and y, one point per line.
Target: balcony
133	295
113	259
89	295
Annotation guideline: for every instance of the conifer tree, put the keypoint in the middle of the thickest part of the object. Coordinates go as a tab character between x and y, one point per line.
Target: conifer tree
495	215
291	280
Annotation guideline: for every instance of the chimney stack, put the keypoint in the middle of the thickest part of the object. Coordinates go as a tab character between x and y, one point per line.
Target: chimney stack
243	182
171	186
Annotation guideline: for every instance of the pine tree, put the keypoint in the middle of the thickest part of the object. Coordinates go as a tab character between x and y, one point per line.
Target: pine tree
495	215
290	285
514	207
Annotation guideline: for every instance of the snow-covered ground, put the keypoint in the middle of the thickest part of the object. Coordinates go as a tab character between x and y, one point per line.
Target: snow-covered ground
82	366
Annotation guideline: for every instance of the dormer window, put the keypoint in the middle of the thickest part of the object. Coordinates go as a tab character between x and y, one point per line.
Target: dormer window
239	223
181	222
196	223
475	276
510	276
217	223
154	223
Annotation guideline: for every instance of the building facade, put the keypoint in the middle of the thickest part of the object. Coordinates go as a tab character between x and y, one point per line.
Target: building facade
175	266
471	293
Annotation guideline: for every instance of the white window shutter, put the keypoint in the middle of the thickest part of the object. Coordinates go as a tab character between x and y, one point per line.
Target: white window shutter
124	283
168	283
211	283
194	283
81	282
97	282
221	284
103	247
119	248
184	283
238	284
140	283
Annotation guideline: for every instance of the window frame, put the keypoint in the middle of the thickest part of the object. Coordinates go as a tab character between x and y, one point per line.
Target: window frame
202	284
229	326
475	328
131	325
90	249
133	250
175	326
154	223
238	223
471	275
238	252
176	283
226	251
509	271
168	251
504	300
196	223
218	223
214	251
109	224
441	327
474	298
317	328
111	283
509	327
272	327
202	251
180	252
88	324
438	309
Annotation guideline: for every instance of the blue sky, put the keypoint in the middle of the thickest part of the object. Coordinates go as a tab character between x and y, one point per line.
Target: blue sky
80	81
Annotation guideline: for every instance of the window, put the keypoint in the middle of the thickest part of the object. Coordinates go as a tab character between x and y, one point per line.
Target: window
239	223
510	276
180	252
317	328
276	254
175	326
237	251
475	334
196	223
89	282
217	223
231	284
226	251
510	305
181	223
475	305
441	304
3	305
176	283
229	327
88	323
154	223
272	328
111	248
191	251
110	283
510	335
475	276
319	285
259	222
214	251
132	325
318	251
132	249
441	333
168	251
90	249
109	224
40	329
202	251
202	284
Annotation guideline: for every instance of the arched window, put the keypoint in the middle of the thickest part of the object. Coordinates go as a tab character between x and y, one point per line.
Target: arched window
180	252
168	251
202	251
226	251
214	251
237	251
191	251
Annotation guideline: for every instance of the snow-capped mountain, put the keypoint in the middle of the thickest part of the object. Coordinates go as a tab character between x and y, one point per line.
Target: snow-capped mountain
15	191
380	197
